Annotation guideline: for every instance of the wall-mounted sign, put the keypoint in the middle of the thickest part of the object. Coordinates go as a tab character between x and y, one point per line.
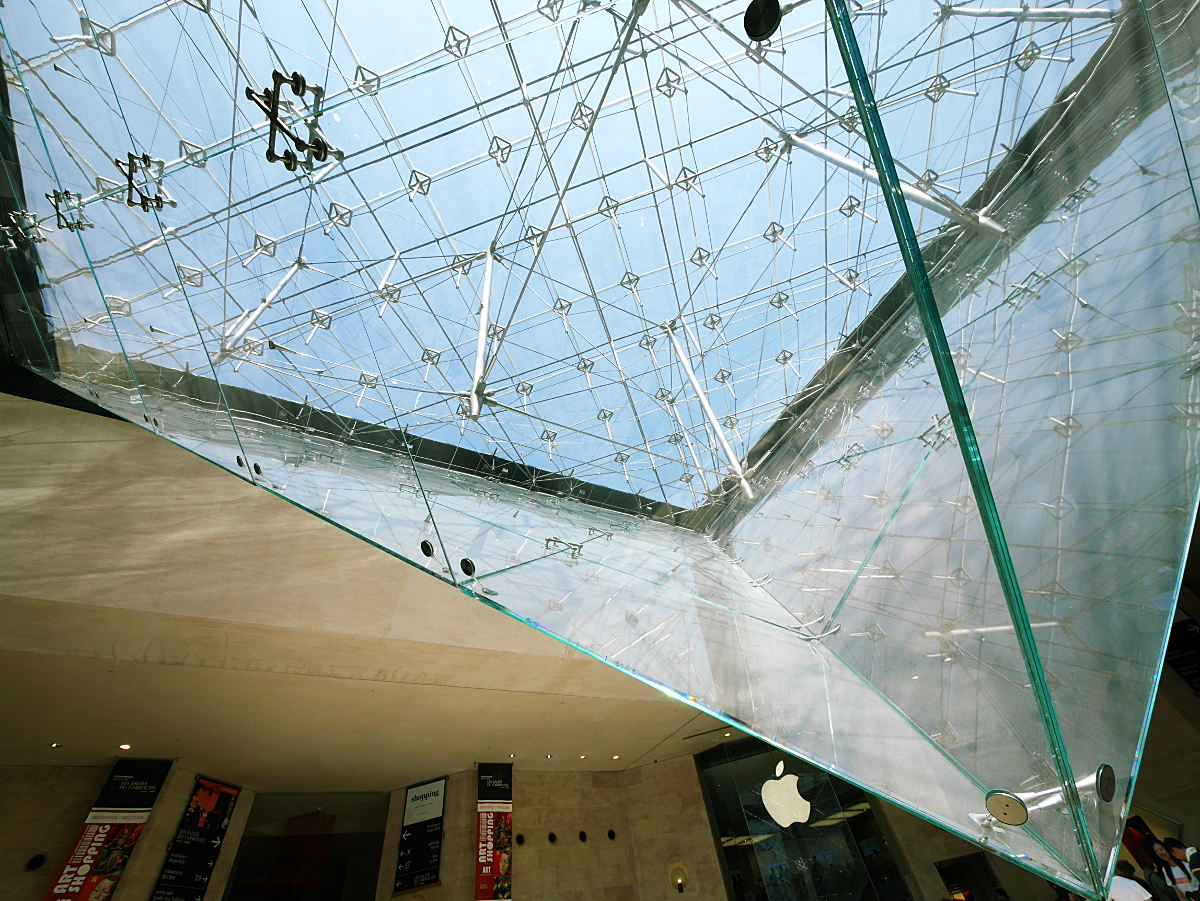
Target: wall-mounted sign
110	831
193	851
493	858
420	859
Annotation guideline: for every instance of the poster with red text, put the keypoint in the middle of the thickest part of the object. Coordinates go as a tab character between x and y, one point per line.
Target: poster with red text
493	858
98	857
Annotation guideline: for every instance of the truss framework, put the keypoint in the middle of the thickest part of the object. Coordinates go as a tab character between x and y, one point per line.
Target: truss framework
620	256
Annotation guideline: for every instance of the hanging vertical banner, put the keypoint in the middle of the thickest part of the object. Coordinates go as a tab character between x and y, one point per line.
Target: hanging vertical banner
99	855
420	859
193	851
493	858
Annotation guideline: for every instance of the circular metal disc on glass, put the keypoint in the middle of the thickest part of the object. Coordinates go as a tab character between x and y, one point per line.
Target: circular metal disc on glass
762	19
1007	808
1106	782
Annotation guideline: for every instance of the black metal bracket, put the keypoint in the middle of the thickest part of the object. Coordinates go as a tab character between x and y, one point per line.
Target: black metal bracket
315	147
63	201
147	166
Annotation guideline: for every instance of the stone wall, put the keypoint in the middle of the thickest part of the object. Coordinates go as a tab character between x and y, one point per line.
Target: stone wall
42	809
670	826
458	844
918	847
41	812
655	813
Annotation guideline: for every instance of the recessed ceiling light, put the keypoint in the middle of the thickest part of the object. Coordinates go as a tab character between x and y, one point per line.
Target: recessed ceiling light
727	734
548	756
616	757
124	747
512	755
583	757
55	744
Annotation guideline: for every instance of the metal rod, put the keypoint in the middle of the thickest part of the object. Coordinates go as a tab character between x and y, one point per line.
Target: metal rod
475	397
1031	13
735	465
82	41
946	208
639	7
243	325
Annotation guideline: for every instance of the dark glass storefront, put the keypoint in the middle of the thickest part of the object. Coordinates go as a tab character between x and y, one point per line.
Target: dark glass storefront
837	853
310	847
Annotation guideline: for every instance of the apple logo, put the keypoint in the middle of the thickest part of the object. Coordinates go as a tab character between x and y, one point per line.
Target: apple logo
783	800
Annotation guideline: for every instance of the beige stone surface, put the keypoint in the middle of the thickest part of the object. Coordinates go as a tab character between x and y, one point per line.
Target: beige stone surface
458	844
142	868
42	809
670	827
655	812
566	805
141	872
215	623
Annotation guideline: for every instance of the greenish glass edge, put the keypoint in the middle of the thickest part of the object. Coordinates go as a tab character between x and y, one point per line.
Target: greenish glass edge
889	180
1135	767
10	263
748	729
883	531
33	113
167	246
864	100
134	380
662	688
967	774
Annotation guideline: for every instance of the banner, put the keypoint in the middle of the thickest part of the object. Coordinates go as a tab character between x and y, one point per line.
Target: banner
110	831
193	851
493	860
420	859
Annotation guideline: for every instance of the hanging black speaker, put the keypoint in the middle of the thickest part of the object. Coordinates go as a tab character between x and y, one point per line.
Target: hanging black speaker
762	19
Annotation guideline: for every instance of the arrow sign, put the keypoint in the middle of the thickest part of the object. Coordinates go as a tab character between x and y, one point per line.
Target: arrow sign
420	855
194	851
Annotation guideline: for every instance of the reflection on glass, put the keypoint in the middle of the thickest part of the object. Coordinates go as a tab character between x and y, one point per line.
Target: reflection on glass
836	853
595	311
310	847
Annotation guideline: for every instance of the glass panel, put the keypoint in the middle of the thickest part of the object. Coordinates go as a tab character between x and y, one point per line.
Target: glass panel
1175	28
594	311
310	847
897	566
837	851
1036	326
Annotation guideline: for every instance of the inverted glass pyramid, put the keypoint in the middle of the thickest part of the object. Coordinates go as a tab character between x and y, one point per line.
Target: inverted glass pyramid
599	312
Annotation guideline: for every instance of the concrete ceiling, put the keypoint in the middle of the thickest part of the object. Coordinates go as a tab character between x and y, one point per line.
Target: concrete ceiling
148	597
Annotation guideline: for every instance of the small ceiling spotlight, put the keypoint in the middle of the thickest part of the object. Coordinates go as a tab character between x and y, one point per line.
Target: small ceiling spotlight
55	745
548	756
124	747
511	756
583	757
616	757
762	19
